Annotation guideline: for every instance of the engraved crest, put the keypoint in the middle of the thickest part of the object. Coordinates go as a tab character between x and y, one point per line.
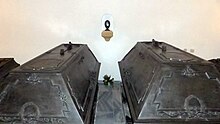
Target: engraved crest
188	71
194	107
29	113
33	79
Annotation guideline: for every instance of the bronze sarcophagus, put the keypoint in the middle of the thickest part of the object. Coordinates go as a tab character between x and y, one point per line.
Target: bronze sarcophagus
164	84
6	65
57	87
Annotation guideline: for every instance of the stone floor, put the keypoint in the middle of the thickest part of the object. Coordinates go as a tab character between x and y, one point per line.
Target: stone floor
109	108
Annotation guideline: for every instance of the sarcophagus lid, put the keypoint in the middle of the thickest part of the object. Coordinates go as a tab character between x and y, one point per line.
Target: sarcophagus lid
6	65
57	87
165	84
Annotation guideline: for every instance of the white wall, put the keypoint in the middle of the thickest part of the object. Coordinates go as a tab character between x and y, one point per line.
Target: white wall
31	27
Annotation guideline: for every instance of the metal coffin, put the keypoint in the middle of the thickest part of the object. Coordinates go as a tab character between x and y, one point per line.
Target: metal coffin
57	87
164	84
6	65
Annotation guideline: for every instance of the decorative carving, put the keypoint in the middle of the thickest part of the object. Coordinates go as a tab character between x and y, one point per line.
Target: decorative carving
194	103
63	98
9	119
189	115
194	108
17	119
189	72
29	113
33	78
56	120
